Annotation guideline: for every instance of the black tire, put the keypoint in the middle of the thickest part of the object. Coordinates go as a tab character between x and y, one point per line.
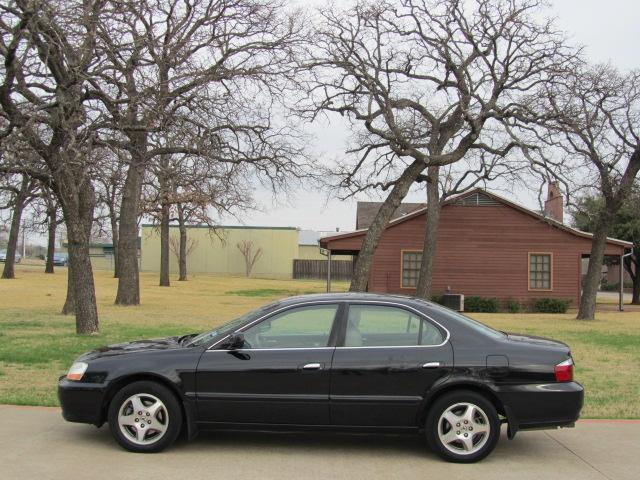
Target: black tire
172	410
449	400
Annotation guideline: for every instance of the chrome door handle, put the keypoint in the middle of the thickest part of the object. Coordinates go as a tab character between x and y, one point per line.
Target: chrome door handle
312	366
431	365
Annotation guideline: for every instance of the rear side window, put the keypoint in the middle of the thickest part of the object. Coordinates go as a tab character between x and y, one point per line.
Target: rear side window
386	326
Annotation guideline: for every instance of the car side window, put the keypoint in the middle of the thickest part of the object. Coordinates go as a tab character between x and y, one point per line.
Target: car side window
301	327
386	326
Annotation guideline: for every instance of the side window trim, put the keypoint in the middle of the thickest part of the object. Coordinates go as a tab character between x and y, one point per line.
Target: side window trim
339	323
341	317
423	317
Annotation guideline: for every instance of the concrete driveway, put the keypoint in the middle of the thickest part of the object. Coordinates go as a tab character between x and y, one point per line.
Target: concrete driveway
35	443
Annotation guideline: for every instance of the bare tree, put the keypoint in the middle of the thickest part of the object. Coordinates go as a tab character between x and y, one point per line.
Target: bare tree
592	123
48	52
45	219
22	190
53	221
250	253
190	189
109	186
208	70
422	81
182	247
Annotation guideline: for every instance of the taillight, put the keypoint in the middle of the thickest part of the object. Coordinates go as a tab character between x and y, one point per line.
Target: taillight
564	371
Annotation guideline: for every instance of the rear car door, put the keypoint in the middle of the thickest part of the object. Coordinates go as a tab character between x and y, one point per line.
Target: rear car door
387	359
281	374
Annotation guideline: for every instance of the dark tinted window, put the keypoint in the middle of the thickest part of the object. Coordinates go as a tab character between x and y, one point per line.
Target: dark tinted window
380	325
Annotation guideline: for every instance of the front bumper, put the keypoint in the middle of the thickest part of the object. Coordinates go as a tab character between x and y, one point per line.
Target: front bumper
81	402
548	405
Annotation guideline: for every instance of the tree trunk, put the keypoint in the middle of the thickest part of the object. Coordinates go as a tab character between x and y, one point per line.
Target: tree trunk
14	233
182	261
164	246
425	280
587	309
635	296
69	307
51	244
632	265
78	214
165	213
114	239
83	287
129	280
364	260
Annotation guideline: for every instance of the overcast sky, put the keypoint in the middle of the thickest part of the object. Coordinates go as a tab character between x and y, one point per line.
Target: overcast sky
608	30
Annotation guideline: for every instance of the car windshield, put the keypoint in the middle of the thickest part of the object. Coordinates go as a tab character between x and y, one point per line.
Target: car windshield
230	326
470	322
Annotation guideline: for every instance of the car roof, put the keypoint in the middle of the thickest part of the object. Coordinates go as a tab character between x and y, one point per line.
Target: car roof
353	297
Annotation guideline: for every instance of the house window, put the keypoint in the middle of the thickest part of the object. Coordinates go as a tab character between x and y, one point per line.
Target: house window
540	271
411	261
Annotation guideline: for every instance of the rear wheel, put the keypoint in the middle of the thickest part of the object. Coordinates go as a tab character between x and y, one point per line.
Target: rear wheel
145	417
462	427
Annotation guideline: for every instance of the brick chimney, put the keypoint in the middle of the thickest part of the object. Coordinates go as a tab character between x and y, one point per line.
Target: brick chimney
554	206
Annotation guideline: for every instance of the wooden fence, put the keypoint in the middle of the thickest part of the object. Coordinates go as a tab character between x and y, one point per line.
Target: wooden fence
317	269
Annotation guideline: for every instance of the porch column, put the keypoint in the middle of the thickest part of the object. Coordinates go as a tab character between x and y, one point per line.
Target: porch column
328	271
621	300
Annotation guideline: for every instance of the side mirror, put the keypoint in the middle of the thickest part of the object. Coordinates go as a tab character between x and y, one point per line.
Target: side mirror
235	341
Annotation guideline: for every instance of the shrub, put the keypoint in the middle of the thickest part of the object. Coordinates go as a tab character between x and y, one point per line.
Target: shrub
550	305
437	299
481	304
512	305
614	287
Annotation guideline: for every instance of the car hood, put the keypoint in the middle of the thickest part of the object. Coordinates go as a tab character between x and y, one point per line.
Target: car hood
136	346
530	339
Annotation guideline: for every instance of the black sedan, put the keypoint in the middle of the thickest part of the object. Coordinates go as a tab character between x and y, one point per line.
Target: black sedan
348	362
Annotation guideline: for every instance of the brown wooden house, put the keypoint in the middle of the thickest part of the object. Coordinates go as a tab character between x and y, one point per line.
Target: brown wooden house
486	246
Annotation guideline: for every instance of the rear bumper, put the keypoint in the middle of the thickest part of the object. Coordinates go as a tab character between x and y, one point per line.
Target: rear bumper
536	406
81	402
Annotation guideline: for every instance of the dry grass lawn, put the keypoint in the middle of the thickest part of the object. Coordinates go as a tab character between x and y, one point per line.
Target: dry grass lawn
37	344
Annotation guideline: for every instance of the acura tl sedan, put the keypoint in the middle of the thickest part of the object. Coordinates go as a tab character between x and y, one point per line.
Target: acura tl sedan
344	362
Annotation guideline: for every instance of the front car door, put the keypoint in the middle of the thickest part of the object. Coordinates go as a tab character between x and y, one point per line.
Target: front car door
280	375
388	358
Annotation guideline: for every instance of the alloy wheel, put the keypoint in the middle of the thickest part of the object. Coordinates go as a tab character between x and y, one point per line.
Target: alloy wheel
143	419
463	428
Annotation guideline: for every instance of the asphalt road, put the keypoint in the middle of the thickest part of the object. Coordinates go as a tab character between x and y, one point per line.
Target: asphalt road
36	443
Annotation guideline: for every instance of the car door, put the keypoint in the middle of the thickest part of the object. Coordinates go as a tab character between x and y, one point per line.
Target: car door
280	375
387	359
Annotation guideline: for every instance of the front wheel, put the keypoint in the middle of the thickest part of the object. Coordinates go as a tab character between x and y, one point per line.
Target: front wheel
145	417
462	427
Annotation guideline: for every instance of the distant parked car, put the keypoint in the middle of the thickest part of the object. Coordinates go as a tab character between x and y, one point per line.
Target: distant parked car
359	362
60	259
3	256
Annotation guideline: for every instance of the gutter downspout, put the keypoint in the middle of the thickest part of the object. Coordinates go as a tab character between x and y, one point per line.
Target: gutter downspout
621	299
327	253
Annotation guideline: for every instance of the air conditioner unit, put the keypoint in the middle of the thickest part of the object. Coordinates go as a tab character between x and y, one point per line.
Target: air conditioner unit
454	301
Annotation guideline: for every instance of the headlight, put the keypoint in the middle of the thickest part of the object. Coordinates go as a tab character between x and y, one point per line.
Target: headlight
76	371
